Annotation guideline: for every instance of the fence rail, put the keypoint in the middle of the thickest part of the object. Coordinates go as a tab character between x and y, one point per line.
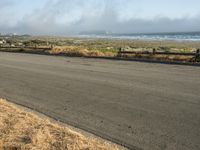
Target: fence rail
159	53
28	47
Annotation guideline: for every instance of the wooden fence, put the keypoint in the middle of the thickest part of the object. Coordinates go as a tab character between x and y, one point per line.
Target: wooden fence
154	52
26	47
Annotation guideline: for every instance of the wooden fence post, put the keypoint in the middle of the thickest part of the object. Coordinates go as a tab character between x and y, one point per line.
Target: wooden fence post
198	53
119	52
154	51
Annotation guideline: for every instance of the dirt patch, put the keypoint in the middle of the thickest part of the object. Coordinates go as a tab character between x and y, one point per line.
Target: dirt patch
22	130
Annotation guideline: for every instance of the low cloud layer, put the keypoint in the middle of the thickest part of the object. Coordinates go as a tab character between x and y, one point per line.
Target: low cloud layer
65	17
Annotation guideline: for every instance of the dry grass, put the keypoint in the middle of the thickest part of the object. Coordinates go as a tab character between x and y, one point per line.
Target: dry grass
79	51
86	47
21	130
180	58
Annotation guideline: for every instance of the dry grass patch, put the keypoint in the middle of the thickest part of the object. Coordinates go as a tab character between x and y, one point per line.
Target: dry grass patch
21	130
79	51
181	58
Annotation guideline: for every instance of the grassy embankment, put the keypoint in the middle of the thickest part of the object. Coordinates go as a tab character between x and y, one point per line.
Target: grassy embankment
22	130
110	47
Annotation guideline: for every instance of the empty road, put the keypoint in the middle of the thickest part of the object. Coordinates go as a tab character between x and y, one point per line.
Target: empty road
140	105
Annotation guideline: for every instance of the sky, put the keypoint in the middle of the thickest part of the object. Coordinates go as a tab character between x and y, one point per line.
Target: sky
68	17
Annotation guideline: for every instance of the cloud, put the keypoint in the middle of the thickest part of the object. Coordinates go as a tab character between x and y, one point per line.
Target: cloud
63	17
6	3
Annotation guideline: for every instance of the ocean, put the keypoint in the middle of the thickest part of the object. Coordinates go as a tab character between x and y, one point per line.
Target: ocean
180	36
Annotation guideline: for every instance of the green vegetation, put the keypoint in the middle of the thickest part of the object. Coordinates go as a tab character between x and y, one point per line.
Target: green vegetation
104	47
108	45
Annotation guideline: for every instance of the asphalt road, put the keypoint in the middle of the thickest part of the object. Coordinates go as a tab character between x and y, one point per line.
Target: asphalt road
141	105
